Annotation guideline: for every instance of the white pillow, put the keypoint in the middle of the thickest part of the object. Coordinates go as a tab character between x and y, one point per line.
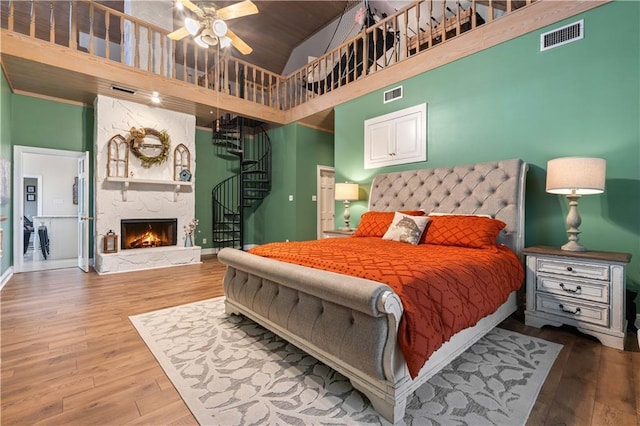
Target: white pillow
405	228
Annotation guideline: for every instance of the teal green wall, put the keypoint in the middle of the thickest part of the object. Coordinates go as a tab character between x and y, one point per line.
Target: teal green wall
6	209
210	170
297	151
580	99
48	124
313	148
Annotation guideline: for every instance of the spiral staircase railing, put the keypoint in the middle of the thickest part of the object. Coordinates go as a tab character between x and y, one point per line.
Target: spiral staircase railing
249	143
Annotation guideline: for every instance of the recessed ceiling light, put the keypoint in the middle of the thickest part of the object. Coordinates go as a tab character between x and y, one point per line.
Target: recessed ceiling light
179	5
155	97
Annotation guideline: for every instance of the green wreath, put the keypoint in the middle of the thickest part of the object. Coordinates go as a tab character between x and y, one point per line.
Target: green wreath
136	141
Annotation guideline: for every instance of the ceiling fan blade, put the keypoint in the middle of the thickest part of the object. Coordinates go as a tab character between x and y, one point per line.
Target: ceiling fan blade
238	43
192	7
178	34
244	8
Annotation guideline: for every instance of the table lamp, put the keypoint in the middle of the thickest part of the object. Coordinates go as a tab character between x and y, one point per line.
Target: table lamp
347	192
574	177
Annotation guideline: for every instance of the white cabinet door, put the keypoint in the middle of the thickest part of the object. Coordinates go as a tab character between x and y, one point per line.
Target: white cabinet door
396	138
380	143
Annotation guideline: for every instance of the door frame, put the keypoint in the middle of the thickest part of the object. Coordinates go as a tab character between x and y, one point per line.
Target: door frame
321	169
18	193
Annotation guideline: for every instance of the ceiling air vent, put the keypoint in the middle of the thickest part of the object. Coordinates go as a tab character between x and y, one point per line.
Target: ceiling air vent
393	94
563	35
123	89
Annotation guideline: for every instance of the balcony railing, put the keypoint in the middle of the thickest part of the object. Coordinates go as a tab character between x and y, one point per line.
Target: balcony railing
110	34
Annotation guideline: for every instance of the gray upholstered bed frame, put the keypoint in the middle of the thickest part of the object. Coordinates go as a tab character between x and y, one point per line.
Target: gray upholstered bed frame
350	323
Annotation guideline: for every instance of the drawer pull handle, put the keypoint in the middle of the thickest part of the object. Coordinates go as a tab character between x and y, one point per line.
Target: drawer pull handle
569	311
570	290
569	268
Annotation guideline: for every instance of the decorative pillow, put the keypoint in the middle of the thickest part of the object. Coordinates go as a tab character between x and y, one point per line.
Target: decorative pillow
406	228
375	224
463	231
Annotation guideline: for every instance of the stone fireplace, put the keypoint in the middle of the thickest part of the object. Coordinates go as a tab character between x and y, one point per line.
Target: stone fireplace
148	206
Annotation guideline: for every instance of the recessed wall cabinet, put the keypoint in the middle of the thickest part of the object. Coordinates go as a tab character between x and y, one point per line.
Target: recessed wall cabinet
583	289
399	137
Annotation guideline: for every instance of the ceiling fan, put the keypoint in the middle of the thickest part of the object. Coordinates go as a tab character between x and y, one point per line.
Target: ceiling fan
210	28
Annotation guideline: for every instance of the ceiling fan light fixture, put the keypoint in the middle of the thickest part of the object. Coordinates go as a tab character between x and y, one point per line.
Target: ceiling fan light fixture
208	37
200	42
219	27
192	26
225	42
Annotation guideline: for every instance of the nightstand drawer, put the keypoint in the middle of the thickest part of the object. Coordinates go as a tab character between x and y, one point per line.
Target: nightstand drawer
595	291
574	269
569	308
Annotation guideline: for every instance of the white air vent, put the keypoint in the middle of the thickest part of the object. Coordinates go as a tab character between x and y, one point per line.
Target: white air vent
560	36
393	94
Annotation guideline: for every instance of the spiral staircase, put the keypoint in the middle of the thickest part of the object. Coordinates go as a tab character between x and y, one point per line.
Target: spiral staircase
246	141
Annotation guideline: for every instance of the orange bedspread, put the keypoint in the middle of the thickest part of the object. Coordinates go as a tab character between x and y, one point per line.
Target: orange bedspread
443	289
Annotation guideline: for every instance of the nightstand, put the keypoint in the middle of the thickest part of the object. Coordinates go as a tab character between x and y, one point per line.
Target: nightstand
582	289
338	233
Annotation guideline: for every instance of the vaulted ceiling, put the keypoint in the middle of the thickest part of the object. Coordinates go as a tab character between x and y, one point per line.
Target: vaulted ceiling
280	26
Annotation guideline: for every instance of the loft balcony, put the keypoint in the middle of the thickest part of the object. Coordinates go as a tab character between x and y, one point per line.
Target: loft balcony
74	50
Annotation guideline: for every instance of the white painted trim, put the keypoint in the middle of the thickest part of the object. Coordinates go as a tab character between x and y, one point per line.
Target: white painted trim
18	193
319	170
6	276
638	326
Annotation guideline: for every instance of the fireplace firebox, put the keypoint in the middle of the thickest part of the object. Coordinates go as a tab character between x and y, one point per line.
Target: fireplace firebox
147	233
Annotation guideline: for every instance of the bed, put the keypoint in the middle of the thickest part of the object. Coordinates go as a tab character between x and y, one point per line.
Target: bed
352	323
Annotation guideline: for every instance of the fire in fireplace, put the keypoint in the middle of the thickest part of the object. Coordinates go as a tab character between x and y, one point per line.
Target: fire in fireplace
144	233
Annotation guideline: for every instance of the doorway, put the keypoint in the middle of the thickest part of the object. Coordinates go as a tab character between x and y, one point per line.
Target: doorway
46	208
326	199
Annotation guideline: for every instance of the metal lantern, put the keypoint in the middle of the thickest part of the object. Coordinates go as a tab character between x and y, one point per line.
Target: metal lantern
110	242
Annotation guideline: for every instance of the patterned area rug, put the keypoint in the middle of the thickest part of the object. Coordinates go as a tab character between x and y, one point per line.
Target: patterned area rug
231	371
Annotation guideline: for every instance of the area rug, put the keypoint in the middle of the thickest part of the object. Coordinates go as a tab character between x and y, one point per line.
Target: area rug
231	371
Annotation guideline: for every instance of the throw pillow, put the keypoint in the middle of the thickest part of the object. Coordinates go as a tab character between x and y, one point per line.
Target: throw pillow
463	231
375	224
406	228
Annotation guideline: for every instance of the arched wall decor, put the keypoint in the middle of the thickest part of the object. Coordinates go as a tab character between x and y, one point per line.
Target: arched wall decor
118	157
181	163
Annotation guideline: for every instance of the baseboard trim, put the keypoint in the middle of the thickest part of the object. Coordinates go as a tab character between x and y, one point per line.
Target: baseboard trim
6	276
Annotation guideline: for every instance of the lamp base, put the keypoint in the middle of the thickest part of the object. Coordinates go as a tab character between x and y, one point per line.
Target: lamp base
573	222
573	246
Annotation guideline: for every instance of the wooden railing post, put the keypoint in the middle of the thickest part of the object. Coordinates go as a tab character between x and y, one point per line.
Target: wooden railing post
52	23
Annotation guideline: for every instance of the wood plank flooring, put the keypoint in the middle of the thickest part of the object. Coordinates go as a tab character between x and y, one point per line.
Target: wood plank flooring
69	354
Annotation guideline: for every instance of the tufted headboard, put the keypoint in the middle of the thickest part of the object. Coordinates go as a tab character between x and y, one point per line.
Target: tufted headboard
493	188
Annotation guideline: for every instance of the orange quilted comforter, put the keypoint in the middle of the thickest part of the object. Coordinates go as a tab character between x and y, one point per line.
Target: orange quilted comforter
443	289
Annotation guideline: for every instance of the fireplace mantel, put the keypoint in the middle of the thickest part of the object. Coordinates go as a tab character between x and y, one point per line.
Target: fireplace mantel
126	183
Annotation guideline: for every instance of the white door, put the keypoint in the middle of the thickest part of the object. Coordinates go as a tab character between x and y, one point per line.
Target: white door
326	201
83	212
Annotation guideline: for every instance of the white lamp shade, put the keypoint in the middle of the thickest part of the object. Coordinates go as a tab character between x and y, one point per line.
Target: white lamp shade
346	191
580	174
200	42
225	42
192	26
219	27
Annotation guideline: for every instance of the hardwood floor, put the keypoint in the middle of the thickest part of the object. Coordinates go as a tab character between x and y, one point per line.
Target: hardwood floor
70	355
